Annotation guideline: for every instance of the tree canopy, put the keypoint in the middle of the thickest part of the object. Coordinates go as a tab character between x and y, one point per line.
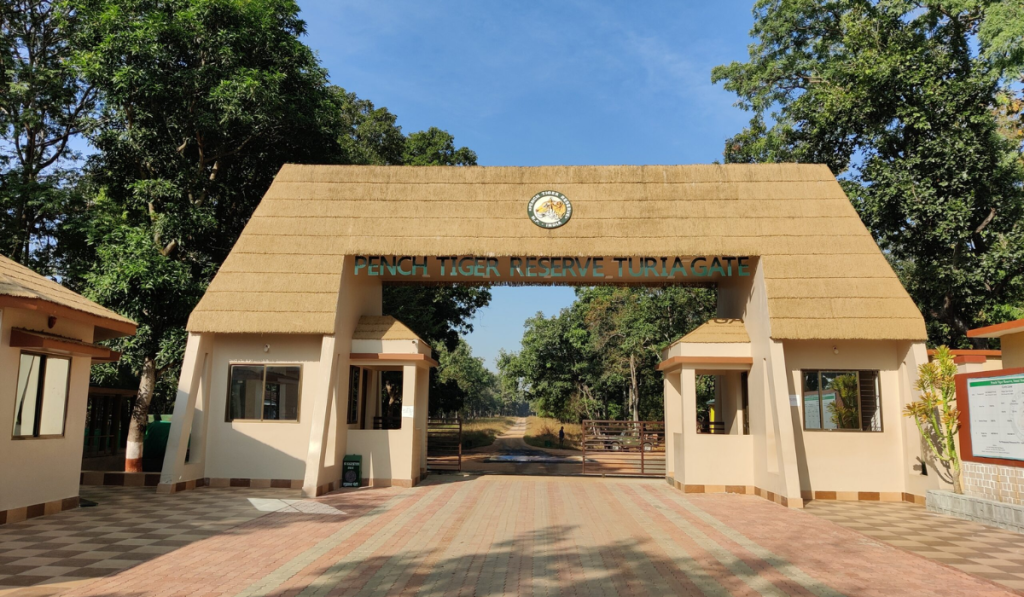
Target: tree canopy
190	108
43	106
597	358
910	103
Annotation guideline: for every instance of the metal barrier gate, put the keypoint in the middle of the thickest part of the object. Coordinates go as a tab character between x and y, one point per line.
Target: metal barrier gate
635	448
444	444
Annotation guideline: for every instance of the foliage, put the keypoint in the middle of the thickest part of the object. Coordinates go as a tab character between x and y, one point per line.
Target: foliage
903	99
476	382
845	410
440	314
597	358
202	101
935	414
43	105
434	147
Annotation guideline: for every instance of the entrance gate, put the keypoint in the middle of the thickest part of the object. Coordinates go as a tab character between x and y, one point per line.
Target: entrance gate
444	444
634	448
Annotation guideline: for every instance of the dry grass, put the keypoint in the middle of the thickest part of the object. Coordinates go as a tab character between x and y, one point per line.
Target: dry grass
481	432
543	433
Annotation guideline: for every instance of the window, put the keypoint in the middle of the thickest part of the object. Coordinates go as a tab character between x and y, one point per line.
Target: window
42	397
264	392
353	394
841	400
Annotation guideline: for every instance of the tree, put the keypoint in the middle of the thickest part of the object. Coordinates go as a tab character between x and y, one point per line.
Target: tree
43	105
434	147
477	384
370	135
440	314
901	98
203	100
630	327
597	358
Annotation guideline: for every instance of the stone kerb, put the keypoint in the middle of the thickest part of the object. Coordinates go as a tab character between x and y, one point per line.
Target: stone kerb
976	509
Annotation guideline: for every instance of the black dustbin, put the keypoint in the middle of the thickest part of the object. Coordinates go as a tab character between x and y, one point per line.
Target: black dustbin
351	470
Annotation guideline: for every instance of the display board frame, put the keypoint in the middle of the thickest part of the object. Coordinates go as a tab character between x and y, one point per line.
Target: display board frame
963	405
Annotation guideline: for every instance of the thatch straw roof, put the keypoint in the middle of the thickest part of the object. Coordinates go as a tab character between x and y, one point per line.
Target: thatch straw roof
382	328
717	331
825	276
29	290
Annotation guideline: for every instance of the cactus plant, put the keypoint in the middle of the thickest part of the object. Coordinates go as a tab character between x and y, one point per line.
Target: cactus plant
935	414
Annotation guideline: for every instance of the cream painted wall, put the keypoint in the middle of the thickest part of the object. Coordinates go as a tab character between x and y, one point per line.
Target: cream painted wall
384	451
673	423
771	417
1013	350
254	449
34	471
357	296
720	460
850	460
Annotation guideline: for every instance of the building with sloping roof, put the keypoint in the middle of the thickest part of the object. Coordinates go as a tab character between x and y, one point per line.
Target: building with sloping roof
797	274
48	338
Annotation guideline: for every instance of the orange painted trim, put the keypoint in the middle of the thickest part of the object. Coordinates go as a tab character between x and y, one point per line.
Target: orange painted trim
680	361
48	308
997	330
24	339
968	352
969	358
375	356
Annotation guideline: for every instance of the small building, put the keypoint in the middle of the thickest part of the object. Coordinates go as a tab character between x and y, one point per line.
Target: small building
817	348
990	399
1011	340
48	338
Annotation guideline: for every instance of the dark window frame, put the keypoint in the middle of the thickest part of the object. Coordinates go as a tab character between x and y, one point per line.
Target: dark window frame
41	397
860	400
355	374
298	405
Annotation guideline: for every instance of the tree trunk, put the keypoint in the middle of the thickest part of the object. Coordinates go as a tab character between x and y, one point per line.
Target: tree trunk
140	417
634	389
957	487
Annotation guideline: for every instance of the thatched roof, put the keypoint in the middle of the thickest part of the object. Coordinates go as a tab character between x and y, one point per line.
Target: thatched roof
717	331
382	328
27	289
825	276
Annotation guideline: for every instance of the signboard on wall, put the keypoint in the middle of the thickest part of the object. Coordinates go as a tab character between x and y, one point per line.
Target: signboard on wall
996	416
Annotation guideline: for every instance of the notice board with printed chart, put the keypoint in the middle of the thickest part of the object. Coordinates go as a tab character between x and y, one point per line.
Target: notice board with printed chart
993	417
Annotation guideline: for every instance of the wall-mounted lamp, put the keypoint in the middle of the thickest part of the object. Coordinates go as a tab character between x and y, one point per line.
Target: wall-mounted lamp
266	348
51	321
835	350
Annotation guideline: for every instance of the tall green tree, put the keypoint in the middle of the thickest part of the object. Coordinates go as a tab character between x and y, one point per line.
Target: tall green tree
43	106
478	385
901	98
203	100
597	358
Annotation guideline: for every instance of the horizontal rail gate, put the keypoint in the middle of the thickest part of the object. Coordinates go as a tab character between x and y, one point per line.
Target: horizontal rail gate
444	444
635	448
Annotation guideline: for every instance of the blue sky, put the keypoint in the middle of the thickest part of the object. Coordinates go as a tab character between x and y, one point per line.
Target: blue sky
531	84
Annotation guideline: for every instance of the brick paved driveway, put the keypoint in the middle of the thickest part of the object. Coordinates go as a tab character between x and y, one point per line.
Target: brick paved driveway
505	535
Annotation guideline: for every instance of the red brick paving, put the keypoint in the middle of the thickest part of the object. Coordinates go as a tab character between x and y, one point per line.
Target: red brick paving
539	536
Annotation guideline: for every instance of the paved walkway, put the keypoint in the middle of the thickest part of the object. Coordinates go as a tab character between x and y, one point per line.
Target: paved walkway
128	525
512	535
984	551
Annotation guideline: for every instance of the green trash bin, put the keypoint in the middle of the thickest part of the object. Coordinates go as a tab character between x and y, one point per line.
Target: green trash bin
351	470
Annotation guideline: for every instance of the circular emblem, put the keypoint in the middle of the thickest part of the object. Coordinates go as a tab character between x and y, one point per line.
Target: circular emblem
549	209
